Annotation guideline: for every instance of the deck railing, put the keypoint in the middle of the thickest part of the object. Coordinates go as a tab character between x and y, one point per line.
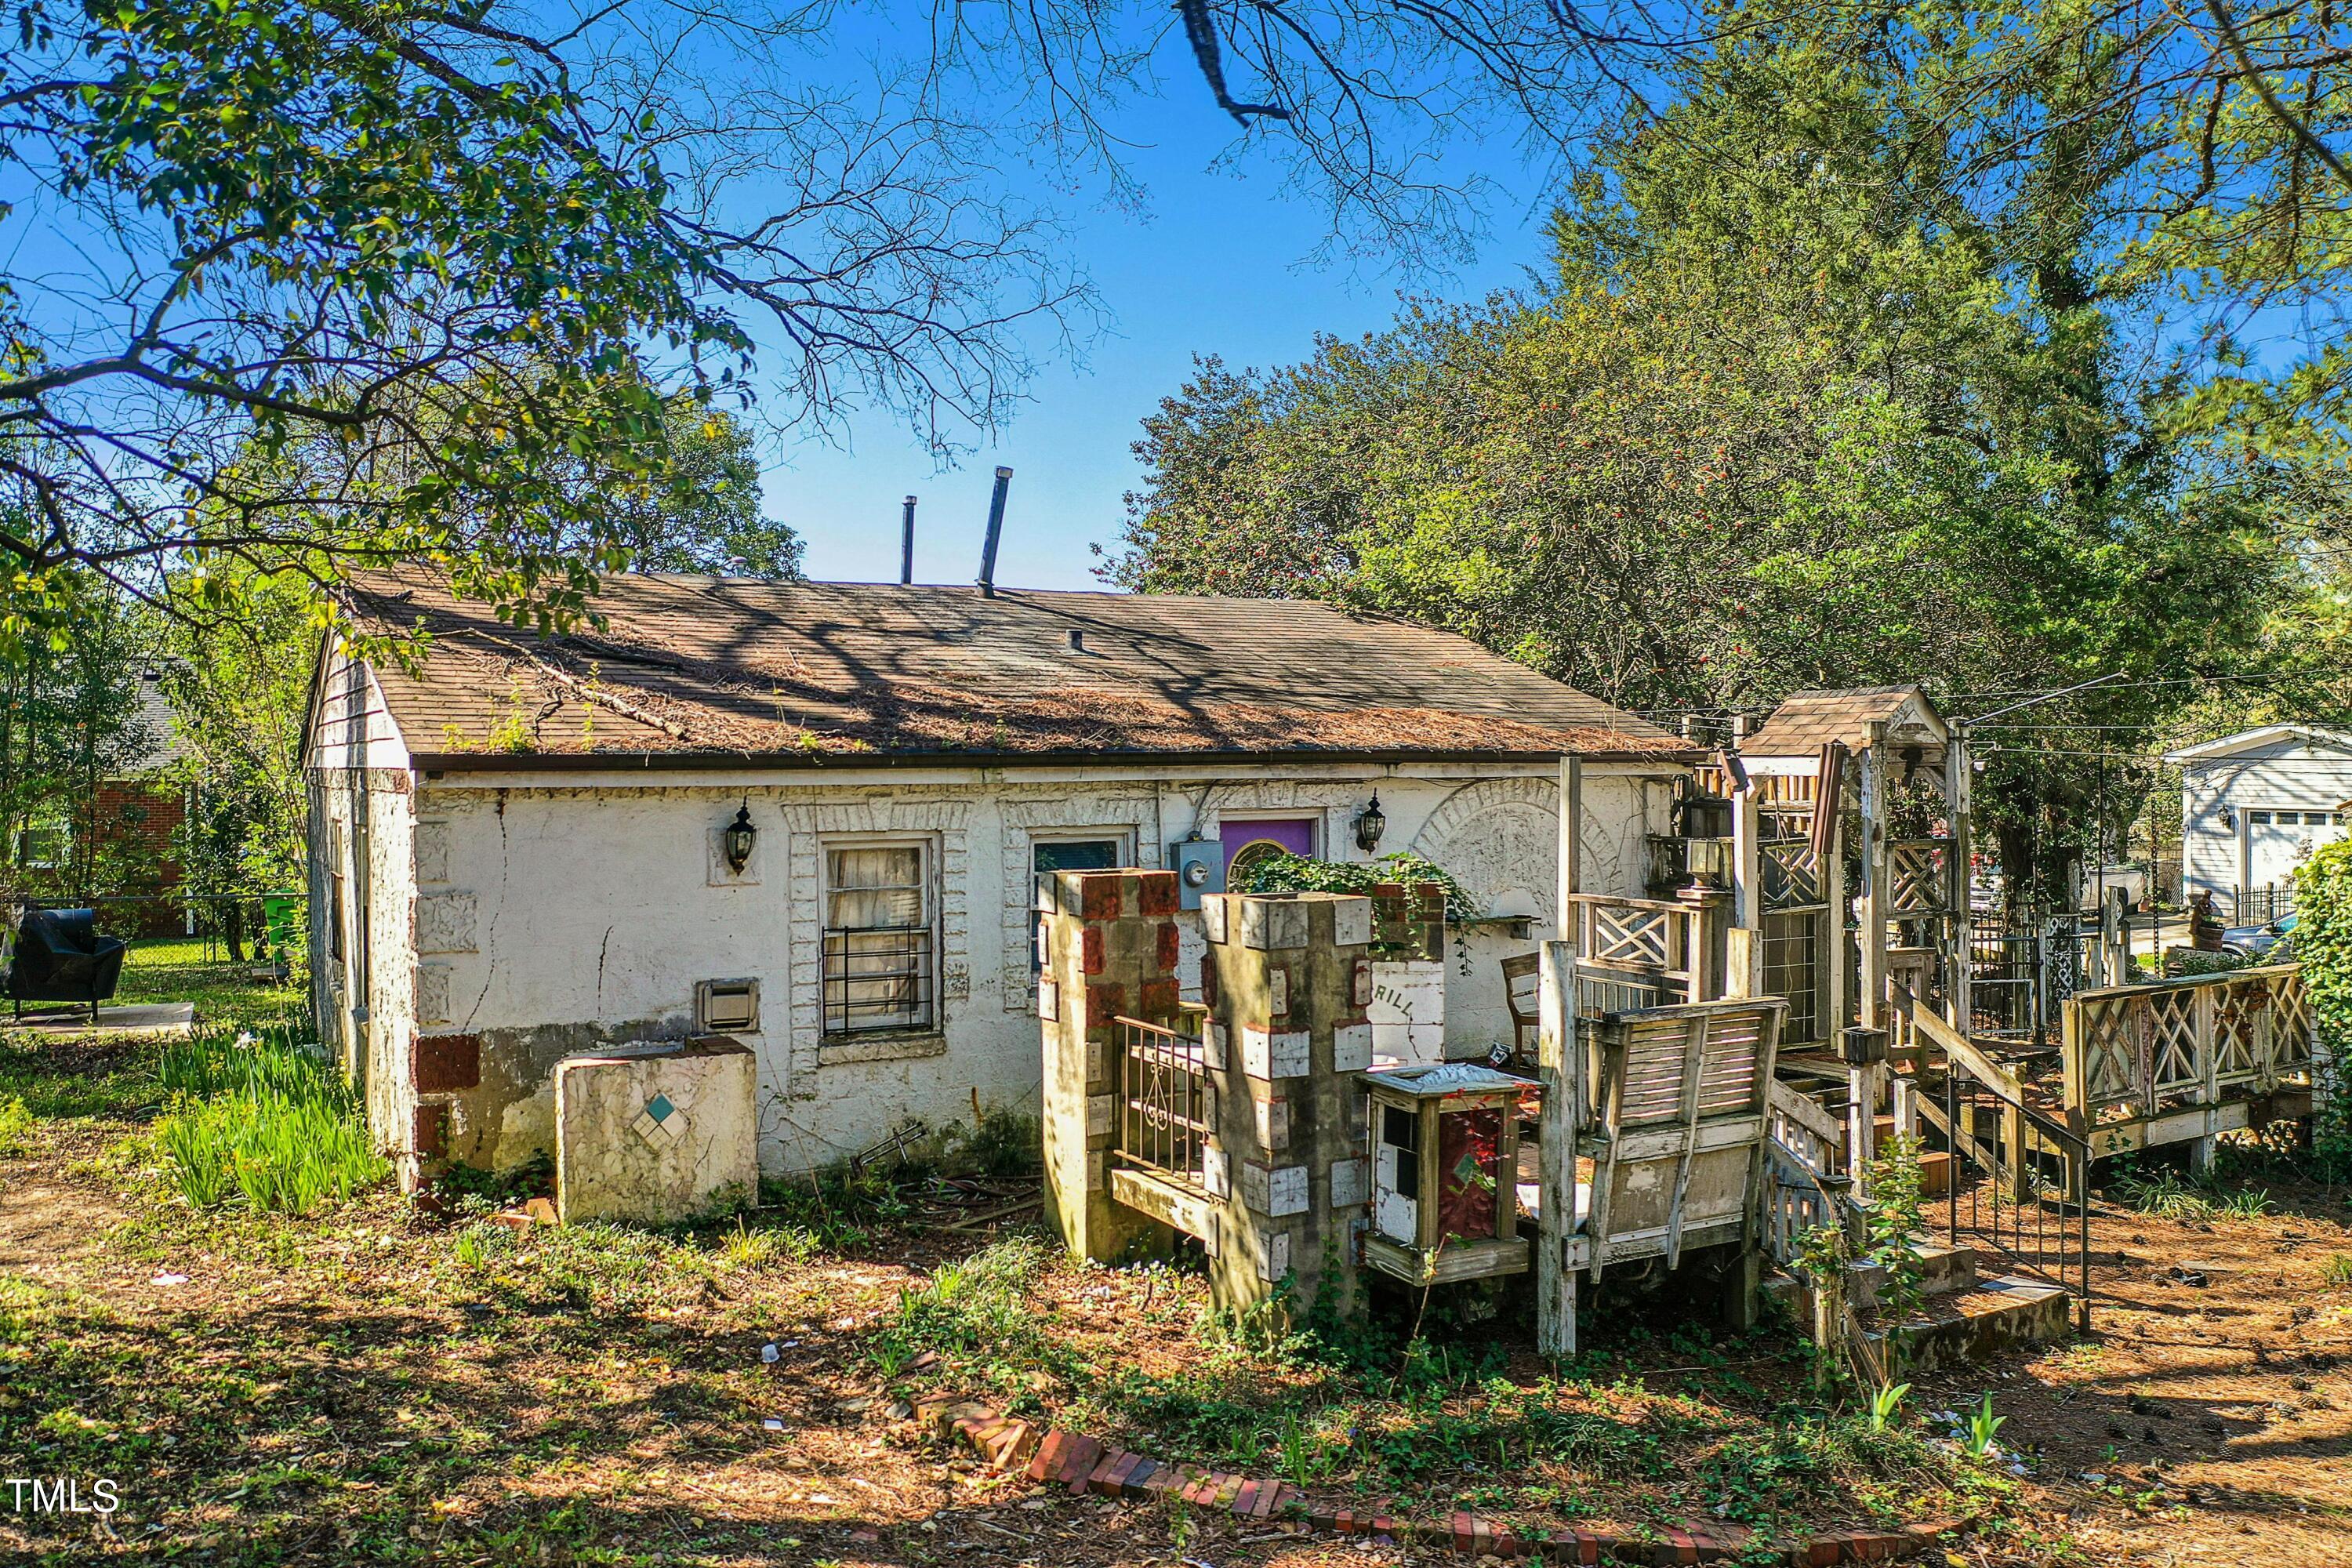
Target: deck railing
1654	949
2133	1050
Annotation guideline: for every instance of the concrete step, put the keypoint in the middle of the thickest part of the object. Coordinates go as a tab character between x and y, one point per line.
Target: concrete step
1943	1271
1977	1325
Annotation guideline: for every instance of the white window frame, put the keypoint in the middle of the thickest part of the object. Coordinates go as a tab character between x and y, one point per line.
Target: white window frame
928	845
1122	836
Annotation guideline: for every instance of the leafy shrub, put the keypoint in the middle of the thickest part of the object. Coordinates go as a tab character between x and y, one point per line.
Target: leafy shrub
2323	889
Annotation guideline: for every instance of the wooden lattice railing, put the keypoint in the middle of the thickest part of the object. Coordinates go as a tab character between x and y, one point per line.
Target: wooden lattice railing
1652	943
1920	873
1790	869
2133	1050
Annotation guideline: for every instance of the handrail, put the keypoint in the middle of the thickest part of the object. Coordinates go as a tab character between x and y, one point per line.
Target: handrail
1953	1043
2187	981
1657	906
1806	1112
2022	1127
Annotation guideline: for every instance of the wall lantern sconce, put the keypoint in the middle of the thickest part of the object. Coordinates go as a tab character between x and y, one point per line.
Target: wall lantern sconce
1371	823
739	837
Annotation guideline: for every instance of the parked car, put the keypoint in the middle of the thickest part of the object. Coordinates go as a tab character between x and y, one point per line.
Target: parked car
2258	942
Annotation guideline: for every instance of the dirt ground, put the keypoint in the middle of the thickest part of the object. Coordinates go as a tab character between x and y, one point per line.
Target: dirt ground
2208	1418
372	1386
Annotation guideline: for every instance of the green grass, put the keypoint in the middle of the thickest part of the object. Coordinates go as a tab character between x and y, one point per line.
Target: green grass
2167	1197
185	969
264	1120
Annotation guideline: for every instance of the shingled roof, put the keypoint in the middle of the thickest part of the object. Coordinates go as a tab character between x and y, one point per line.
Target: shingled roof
1808	721
687	669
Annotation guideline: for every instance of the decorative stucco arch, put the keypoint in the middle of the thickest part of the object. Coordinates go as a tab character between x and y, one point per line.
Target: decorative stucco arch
1500	839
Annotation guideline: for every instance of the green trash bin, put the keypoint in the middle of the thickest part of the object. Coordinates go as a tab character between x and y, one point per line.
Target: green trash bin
281	917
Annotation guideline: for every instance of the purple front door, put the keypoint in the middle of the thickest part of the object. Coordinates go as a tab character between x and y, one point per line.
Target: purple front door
1257	840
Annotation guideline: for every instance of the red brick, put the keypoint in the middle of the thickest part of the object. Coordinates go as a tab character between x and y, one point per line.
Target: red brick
1100	1480
1482	1536
1137	1483
1079	1462
1090	950
442	1064
1684	1550
1383	1525
1156	893
1228	1489
1098	895
1198	1489
1051	1455
1105	1000
1344	1522
1465	1532
1013	1445
1284	1495
1588	1547
1169	946
1245	1497
1208	982
1159	998
429	1135
1323	1519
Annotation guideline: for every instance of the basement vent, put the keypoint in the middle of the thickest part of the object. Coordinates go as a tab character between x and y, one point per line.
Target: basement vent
726	1006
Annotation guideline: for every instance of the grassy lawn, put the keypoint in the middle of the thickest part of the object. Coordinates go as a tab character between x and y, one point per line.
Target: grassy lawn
184	969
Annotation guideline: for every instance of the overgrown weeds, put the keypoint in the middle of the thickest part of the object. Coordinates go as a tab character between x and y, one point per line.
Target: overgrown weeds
2167	1197
261	1118
16	1129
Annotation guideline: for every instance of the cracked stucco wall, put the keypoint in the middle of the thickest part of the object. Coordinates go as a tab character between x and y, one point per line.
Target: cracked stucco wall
547	915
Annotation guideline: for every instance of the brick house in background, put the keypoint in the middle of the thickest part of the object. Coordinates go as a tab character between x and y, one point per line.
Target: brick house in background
127	830
135	822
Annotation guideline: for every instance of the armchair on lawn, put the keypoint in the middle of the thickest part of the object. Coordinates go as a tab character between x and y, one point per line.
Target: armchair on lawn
61	957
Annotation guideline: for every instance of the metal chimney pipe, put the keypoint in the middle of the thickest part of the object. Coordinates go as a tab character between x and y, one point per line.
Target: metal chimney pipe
907	544
995	532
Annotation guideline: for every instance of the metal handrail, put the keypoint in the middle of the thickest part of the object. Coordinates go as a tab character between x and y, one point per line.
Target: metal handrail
2022	1126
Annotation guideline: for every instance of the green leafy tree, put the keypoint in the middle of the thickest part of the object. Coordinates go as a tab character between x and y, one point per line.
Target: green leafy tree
239	691
2322	945
1780	423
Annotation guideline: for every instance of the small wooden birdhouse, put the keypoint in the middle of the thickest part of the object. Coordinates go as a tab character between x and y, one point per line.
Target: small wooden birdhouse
1445	1152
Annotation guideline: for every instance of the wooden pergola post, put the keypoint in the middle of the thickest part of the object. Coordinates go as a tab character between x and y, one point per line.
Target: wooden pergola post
1958	776
1560	1064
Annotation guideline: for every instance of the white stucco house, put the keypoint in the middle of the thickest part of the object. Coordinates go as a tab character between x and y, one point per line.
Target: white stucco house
521	844
2253	807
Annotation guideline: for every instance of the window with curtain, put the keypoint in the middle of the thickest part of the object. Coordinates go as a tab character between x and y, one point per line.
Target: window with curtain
880	953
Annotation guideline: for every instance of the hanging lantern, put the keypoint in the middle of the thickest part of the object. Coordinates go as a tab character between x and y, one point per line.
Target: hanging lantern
739	837
1371	823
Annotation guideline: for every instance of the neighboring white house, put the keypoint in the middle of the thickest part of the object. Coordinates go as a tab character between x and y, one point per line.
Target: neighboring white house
521	844
2253	807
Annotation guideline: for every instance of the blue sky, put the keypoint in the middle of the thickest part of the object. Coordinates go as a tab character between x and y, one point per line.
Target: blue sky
1213	268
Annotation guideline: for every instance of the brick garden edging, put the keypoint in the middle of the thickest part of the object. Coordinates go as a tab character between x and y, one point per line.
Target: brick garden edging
1083	1465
